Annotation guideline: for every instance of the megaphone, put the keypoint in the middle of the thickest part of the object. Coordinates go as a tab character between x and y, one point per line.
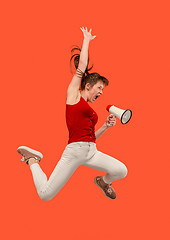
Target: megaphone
123	115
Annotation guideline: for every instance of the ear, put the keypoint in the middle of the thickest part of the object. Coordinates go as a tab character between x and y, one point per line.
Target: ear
88	86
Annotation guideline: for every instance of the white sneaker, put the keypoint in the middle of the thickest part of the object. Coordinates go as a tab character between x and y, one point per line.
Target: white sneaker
27	153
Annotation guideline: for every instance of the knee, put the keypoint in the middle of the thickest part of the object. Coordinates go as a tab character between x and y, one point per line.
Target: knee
119	172
45	196
123	171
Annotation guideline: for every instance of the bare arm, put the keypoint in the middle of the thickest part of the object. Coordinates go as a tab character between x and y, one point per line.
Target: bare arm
110	121
76	80
100	131
84	55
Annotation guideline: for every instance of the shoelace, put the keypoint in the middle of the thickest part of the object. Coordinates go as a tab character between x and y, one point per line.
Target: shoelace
109	190
23	159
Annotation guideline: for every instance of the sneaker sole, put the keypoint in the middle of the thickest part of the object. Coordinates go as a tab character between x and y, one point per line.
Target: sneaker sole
30	150
102	189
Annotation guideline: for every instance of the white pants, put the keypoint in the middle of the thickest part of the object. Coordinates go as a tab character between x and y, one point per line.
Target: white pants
74	155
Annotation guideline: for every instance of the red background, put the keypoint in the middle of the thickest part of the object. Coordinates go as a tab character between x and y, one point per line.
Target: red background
131	50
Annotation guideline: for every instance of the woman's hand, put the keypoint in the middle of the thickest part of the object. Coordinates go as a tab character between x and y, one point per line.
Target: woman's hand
110	121
87	35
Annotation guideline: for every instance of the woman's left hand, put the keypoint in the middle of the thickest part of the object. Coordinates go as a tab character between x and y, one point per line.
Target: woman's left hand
110	121
87	35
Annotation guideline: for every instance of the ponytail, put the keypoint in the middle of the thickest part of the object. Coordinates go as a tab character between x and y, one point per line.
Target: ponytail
76	58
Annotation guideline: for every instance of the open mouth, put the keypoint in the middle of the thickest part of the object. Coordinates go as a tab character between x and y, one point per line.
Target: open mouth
96	97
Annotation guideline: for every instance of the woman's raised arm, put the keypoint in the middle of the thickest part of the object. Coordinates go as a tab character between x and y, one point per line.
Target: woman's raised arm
84	52
83	61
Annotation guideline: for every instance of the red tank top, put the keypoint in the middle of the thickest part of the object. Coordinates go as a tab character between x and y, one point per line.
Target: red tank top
81	120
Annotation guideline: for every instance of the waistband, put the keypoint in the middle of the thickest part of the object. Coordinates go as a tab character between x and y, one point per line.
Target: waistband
82	143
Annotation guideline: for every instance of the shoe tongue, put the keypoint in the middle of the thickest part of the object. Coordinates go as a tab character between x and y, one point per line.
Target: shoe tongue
104	184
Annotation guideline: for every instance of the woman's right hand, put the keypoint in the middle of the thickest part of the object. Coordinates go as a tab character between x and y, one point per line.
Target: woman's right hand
87	35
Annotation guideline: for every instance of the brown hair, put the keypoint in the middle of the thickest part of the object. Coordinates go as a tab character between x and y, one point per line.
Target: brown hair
87	77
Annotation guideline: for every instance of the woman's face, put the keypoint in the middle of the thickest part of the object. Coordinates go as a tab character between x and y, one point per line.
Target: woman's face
95	91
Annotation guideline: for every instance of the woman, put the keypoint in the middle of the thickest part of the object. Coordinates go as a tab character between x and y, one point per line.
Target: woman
81	120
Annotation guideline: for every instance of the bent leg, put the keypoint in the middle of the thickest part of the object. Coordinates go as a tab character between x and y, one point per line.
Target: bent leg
47	189
115	169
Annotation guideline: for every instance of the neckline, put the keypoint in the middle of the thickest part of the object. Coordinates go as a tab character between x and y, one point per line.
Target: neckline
83	99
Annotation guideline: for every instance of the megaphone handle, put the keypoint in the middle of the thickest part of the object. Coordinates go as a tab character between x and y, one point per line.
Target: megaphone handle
110	124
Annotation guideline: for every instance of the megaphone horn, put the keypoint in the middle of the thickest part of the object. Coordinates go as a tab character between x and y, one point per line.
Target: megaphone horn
123	115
